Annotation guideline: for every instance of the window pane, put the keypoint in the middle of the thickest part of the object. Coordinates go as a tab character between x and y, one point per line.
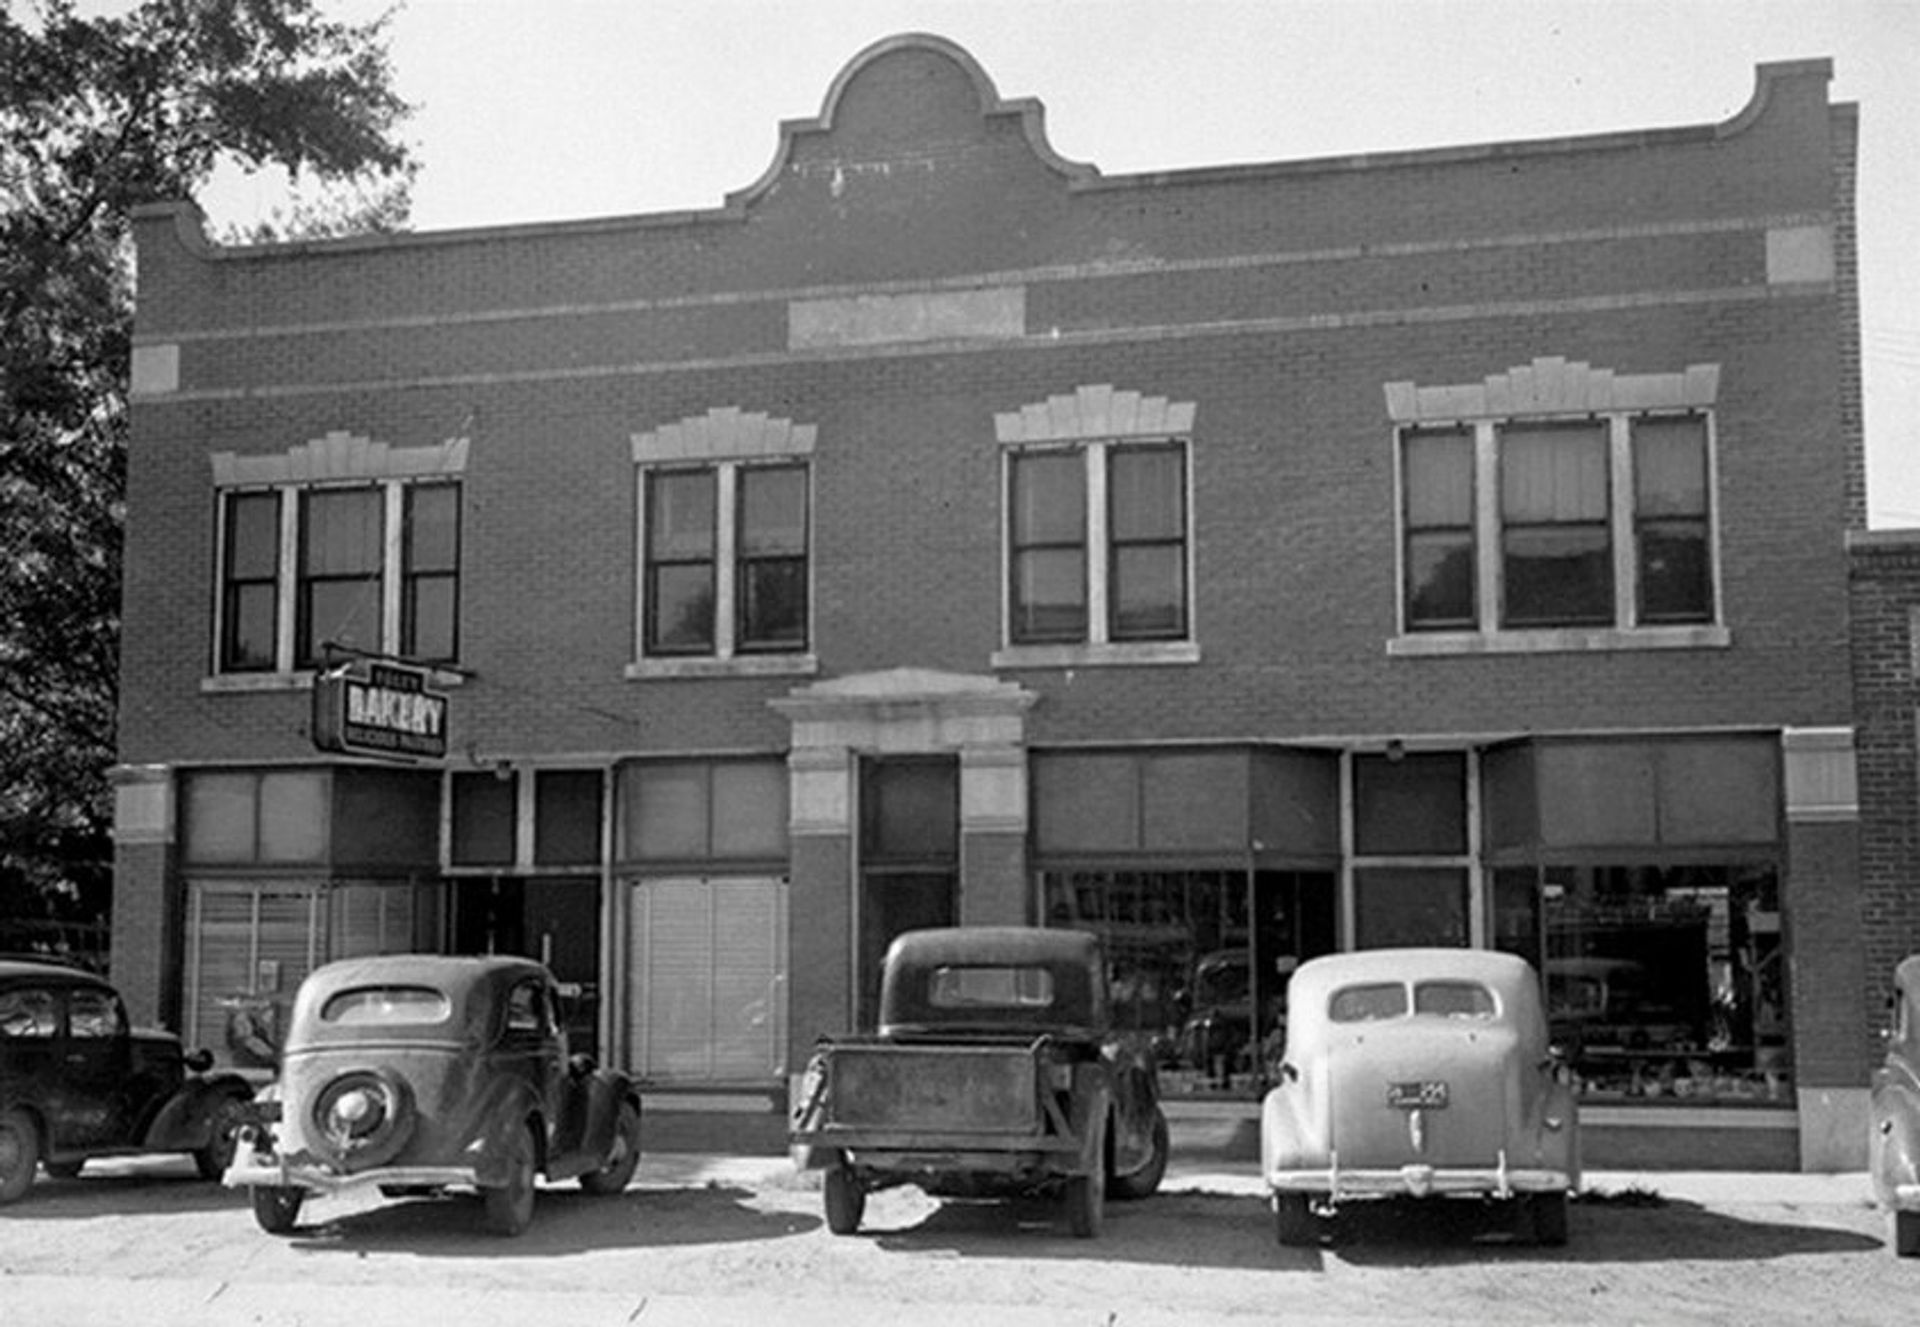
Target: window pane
566	817
484	820
293	817
429	618
1050	595
342	612
666	810
1049	498
680	608
250	623
433	528
750	809
1409	906
342	533
1553	474
773	603
1438	475
220	817
1414	805
1440	582
1670	467
1676	583
1146	493
773	510
909	810
1558	576
1149	592
253	536
680	514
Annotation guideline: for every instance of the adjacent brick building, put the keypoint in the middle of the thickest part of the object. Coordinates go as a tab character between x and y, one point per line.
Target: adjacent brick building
1430	547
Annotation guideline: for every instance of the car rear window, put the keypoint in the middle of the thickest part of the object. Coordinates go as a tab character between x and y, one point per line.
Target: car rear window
990	988
1454	999
387	1004
1364	1004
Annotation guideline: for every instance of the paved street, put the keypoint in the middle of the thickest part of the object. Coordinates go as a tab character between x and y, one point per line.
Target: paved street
719	1240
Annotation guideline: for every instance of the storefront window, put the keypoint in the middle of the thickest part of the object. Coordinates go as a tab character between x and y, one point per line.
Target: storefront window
1192	954
1668	982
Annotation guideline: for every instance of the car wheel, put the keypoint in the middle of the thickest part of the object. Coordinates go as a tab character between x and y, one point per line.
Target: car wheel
1545	1217
509	1206
1906	1234
19	1154
846	1199
213	1159
1086	1195
276	1208
63	1170
622	1157
1293	1219
1142	1182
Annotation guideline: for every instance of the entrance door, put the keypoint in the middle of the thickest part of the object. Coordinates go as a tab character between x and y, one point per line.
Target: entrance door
554	919
909	860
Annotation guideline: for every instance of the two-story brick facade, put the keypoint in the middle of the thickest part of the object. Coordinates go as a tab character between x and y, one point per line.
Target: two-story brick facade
1428	547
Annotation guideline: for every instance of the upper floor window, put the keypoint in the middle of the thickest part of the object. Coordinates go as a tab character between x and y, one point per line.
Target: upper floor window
340	542
725	545
1098	549
1540	527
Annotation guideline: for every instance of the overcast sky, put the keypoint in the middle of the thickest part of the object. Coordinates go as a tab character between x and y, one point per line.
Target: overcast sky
544	110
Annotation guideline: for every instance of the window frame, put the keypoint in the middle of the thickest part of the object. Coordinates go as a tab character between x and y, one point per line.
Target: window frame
293	653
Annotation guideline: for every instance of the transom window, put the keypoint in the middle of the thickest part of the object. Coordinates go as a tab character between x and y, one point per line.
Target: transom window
1543	525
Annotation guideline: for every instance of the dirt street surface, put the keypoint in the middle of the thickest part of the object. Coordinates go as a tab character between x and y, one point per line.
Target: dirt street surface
708	1240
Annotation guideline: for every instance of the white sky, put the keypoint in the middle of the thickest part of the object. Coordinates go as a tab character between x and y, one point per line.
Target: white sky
541	110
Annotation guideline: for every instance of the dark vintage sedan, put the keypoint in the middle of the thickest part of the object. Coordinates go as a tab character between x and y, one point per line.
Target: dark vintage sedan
996	1072
1894	1160
78	1081
1424	1073
419	1073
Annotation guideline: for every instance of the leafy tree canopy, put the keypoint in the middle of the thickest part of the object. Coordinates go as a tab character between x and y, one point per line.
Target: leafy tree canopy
99	113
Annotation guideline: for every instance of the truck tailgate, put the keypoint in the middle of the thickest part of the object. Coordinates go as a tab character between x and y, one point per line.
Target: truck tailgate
965	1089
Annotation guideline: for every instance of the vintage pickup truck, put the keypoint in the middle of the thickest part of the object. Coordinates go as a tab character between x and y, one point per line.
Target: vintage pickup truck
995	1073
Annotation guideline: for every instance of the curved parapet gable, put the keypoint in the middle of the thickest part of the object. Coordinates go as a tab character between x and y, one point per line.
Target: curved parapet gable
855	83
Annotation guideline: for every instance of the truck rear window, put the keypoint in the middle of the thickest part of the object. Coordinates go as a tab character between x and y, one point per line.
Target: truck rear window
387	1004
1363	1004
990	988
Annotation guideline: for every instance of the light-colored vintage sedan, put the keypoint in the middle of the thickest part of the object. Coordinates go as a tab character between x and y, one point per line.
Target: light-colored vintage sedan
1422	1072
1895	1107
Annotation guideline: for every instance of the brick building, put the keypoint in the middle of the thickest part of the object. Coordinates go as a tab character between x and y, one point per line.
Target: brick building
1428	547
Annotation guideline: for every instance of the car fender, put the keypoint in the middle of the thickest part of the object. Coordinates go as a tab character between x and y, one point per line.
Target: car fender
1895	1141
1290	1137
1092	1104
606	1093
488	1148
185	1120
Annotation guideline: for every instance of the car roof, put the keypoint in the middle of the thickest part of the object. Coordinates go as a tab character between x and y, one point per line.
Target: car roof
22	969
993	944
1505	973
452	972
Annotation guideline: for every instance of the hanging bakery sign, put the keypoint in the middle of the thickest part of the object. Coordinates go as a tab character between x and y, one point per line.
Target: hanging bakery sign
379	709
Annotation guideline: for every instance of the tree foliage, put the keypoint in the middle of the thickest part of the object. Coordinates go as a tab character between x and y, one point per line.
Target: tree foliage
97	115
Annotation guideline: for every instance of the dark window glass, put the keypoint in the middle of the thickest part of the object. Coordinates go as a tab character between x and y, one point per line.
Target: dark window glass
1416	805
1437	473
1556	544
430	588
1670	519
771	541
1147	528
566	817
910	810
680	562
250	588
485	815
1048	540
1414	905
342	551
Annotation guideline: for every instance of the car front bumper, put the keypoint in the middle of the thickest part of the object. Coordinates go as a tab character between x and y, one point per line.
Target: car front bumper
277	1172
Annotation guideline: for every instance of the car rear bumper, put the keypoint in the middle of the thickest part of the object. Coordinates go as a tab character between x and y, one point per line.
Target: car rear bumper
1498	1180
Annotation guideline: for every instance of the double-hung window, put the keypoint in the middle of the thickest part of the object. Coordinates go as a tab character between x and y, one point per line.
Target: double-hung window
337	543
1557	508
1098	542
725	561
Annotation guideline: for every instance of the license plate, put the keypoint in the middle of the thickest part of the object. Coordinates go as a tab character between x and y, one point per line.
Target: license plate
1417	1096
